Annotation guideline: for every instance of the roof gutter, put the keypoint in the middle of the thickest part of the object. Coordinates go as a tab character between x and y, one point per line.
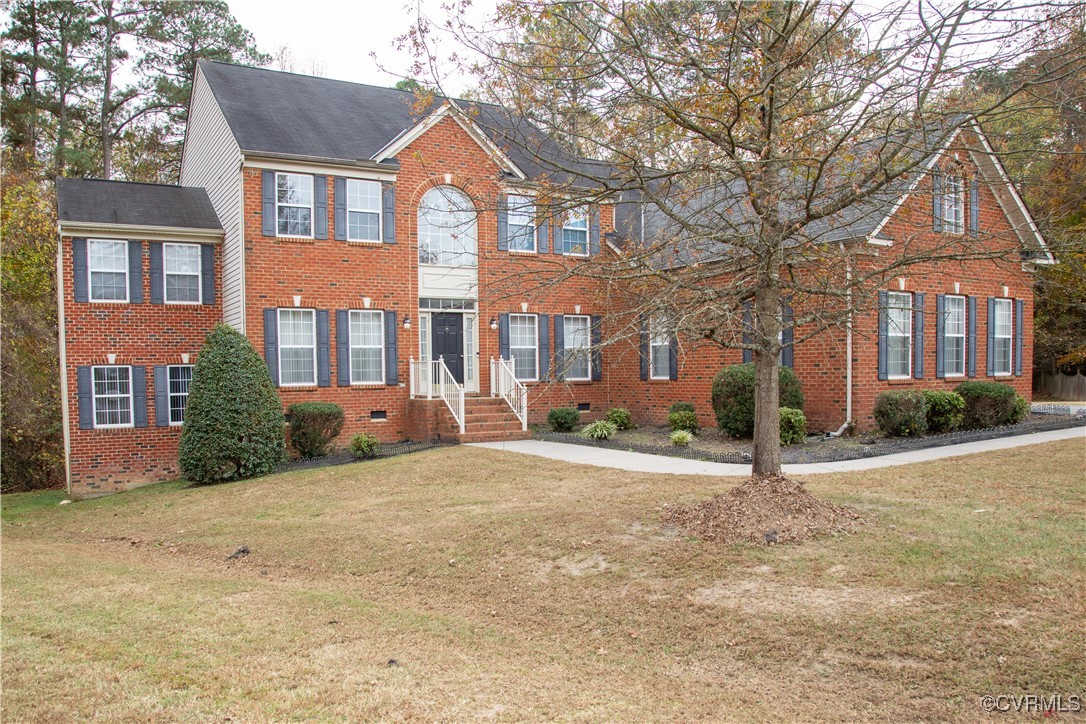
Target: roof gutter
390	165
169	233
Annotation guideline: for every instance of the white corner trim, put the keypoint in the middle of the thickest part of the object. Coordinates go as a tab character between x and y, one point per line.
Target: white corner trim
63	358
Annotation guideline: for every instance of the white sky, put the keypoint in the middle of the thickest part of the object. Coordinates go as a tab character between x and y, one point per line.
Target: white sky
334	38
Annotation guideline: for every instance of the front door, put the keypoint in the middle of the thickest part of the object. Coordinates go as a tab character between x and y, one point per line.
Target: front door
447	337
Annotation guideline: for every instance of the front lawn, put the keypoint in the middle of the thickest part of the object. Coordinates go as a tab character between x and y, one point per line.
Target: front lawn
463	583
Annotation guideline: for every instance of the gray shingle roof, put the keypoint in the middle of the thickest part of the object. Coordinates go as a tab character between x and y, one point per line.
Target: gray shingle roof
97	201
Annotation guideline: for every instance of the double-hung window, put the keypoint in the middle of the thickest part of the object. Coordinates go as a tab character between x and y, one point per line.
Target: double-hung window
899	335
578	357
179	377
1002	337
107	265
575	233
524	346
297	347
954	205
112	396
367	347
521	220
659	350
954	336
181	264
294	204
363	210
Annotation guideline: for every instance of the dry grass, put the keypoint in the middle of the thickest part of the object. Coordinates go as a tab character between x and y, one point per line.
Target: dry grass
513	587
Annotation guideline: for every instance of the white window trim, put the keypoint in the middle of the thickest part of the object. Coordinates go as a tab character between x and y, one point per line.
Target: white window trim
351	346
654	324
170	395
581	214
535	348
279	345
199	275
380	212
890	305
1009	337
312	205
954	226
532	224
964	334
127	269
131	399
587	349
473	253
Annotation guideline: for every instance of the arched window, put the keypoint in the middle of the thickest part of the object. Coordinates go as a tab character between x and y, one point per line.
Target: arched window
447	228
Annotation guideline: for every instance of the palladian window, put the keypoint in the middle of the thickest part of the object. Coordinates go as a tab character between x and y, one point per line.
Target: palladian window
447	228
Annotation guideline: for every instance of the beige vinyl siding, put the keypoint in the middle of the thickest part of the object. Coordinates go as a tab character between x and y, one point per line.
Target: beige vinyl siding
212	159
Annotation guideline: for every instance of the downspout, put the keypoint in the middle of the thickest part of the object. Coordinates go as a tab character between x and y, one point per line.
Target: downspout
848	351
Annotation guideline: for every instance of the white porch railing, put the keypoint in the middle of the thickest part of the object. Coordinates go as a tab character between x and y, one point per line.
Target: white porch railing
432	379
504	384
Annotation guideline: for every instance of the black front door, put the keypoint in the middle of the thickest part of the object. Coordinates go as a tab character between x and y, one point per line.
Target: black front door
447	336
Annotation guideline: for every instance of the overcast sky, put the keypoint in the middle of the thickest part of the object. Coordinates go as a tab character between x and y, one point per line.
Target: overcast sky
334	38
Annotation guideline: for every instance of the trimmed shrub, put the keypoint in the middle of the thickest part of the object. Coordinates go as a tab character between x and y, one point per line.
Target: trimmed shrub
681	438
987	404
793	426
681	407
683	420
564	419
946	410
364	446
733	397
1021	409
233	418
901	413
621	418
599	430
313	427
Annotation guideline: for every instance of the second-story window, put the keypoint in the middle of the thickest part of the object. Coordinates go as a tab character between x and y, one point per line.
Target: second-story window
181	264
954	205
521	223
575	233
447	228
107	264
363	210
294	204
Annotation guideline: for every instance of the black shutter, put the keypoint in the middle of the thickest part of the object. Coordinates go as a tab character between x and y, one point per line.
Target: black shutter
343	347
324	350
503	223
918	336
135	272
388	210
1019	311
543	238
271	343
503	336
673	357
597	349
80	277
787	334
974	208
267	215
937	200
644	347
559	347
139	395
339	204
207	271
748	329
883	297
158	284
320	207
544	346
594	231
162	396
85	395
971	342
392	357
940	335
991	336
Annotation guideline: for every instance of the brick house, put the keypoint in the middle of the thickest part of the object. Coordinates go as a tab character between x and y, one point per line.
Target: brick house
381	258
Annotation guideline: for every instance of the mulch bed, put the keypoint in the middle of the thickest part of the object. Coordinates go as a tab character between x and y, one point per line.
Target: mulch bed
344	457
764	510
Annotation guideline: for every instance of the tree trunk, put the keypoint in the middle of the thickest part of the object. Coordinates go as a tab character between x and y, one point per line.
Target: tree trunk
767	430
107	91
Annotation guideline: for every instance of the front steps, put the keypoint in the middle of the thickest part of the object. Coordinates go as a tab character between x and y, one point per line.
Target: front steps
486	419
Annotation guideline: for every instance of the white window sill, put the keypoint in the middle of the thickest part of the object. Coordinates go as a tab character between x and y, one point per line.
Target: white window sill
284	237
368	384
109	301
366	242
183	304
522	251
115	427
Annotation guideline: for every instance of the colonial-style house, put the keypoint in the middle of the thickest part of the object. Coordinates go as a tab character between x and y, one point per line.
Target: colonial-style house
354	240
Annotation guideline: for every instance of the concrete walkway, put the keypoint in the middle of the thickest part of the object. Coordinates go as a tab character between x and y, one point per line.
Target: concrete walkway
640	462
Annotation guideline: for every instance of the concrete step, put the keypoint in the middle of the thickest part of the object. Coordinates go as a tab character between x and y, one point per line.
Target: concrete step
494	436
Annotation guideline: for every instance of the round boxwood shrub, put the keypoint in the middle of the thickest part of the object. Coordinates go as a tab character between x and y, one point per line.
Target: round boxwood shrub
599	430
733	397
793	426
681	407
364	446
621	418
233	418
313	427
987	404
683	420
946	410
564	419
901	413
